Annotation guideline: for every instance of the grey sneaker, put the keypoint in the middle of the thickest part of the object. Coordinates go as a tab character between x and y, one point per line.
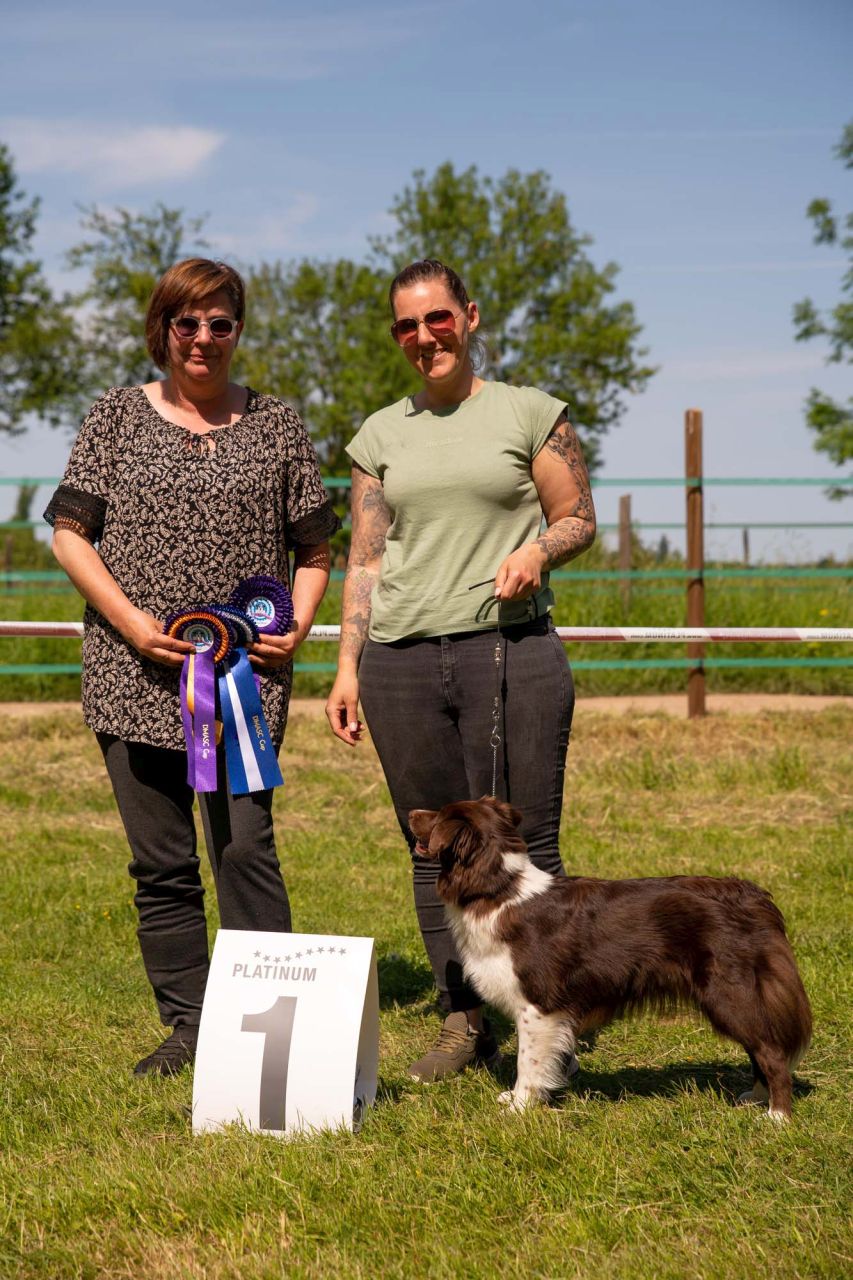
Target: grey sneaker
456	1048
176	1052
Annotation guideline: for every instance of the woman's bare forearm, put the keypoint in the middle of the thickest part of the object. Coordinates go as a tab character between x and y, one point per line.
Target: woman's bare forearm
371	520
564	540
310	580
355	612
97	585
91	577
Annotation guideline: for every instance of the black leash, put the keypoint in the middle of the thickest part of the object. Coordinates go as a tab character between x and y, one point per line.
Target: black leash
495	740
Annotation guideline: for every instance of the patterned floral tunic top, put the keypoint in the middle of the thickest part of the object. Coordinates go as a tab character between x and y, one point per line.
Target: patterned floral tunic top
180	519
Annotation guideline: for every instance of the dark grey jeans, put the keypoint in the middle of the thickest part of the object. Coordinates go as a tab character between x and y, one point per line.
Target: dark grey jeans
156	807
428	705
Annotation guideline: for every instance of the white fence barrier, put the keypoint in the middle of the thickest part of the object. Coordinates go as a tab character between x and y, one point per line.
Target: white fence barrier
585	635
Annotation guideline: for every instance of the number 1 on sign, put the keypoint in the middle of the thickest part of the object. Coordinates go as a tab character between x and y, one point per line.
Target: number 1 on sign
276	1023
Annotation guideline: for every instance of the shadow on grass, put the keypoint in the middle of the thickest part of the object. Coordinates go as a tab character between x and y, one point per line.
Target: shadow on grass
402	981
678	1077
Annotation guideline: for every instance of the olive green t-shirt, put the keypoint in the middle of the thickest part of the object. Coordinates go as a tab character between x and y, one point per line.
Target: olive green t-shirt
459	487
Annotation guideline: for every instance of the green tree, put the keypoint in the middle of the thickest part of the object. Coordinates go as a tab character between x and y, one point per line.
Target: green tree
832	420
318	335
38	349
125	254
317	332
549	318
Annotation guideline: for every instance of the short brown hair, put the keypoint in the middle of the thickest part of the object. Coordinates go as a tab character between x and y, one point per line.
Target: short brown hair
184	285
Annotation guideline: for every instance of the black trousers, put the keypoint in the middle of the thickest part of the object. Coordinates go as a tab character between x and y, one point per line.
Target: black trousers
156	806
428	705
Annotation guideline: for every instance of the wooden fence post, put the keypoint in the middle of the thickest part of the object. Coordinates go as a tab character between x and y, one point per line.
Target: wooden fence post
625	548
695	558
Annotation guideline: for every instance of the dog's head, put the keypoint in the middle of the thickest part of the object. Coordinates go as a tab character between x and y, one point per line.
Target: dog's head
469	839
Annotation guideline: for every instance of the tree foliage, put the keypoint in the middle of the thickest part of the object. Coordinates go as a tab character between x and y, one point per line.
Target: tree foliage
125	253
549	316
317	333
38	350
832	420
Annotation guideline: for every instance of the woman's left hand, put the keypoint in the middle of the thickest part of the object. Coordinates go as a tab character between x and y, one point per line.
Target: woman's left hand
272	652
520	575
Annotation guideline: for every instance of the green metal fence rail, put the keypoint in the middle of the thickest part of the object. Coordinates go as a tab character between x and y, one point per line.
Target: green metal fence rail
53	581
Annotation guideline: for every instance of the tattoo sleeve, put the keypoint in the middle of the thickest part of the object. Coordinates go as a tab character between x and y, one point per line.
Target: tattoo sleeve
371	520
575	531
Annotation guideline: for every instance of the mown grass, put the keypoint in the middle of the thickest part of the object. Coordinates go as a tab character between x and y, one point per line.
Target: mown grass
644	1170
770	602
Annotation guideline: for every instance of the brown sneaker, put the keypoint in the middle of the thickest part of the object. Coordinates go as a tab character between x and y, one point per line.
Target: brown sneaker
456	1048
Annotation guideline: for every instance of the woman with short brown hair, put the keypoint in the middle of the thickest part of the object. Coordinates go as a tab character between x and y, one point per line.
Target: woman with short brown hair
175	492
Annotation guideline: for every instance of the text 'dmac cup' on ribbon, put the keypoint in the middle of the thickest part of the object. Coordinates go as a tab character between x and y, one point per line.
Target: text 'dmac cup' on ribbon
220	693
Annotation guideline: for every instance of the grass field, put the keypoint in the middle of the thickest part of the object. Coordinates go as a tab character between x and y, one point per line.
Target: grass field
644	1170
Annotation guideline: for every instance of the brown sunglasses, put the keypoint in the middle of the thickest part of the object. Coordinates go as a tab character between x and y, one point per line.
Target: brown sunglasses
442	320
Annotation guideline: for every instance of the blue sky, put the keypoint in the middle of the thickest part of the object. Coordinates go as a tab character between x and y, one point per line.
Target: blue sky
688	139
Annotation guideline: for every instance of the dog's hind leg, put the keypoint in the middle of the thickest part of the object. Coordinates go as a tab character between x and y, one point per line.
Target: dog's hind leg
773	1063
543	1040
759	1093
739	1018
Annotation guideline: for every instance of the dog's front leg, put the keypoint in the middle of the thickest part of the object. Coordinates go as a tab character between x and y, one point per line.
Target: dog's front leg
542	1039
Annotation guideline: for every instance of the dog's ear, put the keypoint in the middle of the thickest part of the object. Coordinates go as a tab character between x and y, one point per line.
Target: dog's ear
508	811
465	842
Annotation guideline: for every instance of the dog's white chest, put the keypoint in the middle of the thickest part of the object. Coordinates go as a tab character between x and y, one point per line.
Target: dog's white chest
487	962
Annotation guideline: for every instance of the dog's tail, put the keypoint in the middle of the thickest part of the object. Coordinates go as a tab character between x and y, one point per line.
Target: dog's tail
786	1005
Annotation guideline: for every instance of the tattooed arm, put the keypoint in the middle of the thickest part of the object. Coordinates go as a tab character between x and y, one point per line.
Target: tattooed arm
370	522
562	482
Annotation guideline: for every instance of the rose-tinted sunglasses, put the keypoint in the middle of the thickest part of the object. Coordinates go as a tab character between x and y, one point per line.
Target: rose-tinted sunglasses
188	326
405	330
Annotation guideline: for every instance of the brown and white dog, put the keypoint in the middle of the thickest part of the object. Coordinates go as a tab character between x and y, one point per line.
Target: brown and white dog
563	955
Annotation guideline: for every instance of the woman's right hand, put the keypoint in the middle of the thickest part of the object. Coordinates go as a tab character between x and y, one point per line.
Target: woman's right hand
145	633
342	709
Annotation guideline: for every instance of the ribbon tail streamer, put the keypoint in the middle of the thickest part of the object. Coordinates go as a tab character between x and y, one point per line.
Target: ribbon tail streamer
201	756
187	675
249	751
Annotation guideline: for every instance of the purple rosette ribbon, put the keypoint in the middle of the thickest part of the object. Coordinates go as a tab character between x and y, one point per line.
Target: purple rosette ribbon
213	640
220	692
267	602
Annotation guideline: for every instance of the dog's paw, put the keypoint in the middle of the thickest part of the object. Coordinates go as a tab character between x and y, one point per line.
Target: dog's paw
757	1096
514	1101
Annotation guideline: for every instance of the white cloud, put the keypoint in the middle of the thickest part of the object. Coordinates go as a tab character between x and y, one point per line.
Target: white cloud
111	156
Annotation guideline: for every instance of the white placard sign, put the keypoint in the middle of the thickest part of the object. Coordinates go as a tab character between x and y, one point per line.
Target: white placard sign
289	1035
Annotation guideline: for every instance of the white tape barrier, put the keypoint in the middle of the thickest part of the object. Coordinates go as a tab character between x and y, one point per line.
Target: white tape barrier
289	1035
584	635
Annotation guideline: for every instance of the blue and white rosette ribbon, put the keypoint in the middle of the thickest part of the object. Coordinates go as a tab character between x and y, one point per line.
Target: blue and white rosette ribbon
219	677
